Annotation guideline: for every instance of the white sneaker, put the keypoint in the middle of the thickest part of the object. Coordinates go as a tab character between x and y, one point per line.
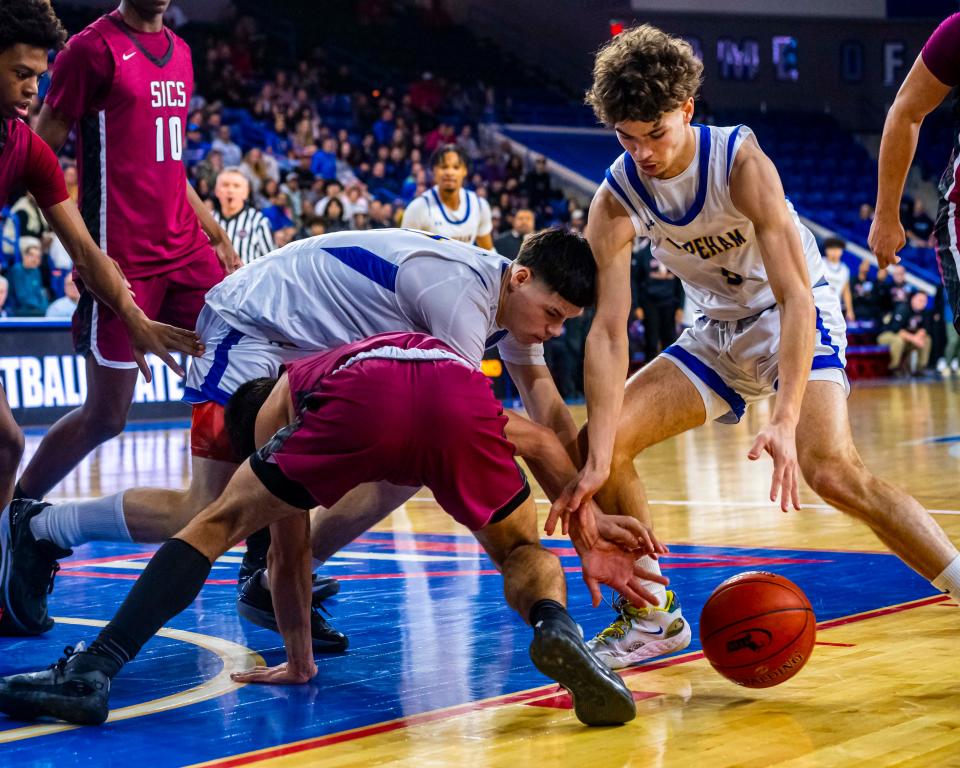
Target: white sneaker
942	368
641	634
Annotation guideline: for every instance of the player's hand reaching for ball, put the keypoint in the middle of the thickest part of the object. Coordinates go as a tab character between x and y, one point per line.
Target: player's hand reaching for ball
580	490
780	441
148	336
606	563
282	674
885	239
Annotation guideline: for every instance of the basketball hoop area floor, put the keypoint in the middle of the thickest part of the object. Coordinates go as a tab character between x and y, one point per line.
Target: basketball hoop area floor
437	673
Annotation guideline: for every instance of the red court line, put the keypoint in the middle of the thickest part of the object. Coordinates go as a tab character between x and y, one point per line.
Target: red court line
516	698
71	564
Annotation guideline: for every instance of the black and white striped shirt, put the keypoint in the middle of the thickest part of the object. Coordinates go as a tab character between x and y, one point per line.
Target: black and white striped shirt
249	232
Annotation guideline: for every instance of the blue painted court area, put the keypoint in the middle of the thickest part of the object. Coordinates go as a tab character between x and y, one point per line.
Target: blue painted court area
428	628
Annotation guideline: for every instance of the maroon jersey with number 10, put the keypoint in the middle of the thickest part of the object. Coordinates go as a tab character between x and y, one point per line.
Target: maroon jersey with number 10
130	92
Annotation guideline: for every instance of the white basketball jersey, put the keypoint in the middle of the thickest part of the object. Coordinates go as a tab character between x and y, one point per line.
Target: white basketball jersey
698	233
470	221
335	289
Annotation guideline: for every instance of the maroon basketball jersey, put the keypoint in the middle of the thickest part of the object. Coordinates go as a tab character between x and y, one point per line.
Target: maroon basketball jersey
28	165
132	177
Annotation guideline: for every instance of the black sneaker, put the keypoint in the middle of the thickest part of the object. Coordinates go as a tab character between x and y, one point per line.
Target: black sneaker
75	689
255	604
600	697
27	570
324	587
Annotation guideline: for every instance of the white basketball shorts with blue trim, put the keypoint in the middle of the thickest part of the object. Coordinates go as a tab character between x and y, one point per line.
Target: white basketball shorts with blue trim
230	359
735	363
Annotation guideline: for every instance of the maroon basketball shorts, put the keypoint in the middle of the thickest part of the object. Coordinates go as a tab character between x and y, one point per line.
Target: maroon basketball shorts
424	423
174	297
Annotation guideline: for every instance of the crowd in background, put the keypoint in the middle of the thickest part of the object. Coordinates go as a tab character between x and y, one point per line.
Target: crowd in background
304	151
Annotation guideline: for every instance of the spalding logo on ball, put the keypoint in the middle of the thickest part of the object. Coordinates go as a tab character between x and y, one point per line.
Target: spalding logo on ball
758	629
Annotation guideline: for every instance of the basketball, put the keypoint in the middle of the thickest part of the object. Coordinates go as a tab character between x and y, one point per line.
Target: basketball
757	629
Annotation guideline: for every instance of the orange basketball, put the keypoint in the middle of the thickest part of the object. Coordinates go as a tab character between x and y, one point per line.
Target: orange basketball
758	629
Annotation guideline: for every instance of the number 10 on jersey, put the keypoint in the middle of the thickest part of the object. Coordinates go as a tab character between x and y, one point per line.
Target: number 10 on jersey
172	127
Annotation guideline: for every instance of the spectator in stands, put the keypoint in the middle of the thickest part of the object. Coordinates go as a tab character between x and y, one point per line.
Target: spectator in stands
249	230
508	244
225	145
268	192
862	227
909	330
837	274
658	301
64	306
208	168
278	213
30	222
537	184
291	188
72	181
577	220
258	167
896	291
324	162
949	364
919	227
866	294
26	282
4	295
468	144
332	215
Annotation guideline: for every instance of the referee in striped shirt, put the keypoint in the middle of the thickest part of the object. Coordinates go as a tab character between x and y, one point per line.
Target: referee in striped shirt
248	229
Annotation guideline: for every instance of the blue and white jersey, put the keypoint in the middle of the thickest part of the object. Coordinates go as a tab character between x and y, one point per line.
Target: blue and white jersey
470	221
699	234
336	289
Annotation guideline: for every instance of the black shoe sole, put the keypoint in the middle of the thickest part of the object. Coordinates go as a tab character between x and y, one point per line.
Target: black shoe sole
600	697
18	707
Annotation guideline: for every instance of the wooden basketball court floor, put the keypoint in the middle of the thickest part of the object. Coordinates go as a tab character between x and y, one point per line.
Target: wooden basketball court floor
437	673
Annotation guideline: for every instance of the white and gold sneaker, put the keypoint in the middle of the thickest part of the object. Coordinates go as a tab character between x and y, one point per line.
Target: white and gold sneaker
641	634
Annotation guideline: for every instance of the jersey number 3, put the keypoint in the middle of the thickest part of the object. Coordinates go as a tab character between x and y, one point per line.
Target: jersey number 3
732	277
173	129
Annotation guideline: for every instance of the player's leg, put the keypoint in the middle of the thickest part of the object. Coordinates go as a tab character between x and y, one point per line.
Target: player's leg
832	467
534	586
102	416
11	450
360	509
895	344
101	337
661	401
34	536
78	690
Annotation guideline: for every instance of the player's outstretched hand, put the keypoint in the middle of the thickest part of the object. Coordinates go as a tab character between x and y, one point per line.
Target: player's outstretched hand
282	674
148	336
606	563
780	441
228	256
629	534
579	491
885	239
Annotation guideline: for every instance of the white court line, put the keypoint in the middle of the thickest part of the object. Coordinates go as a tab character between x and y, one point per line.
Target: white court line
233	656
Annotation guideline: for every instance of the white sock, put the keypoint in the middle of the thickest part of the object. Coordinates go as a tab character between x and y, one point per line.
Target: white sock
659	591
949	579
68	525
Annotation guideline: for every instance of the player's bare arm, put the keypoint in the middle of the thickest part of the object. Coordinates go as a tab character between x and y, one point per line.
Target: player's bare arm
756	191
101	275
610	234
53	127
919	95
485	241
542	400
553	468
218	238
